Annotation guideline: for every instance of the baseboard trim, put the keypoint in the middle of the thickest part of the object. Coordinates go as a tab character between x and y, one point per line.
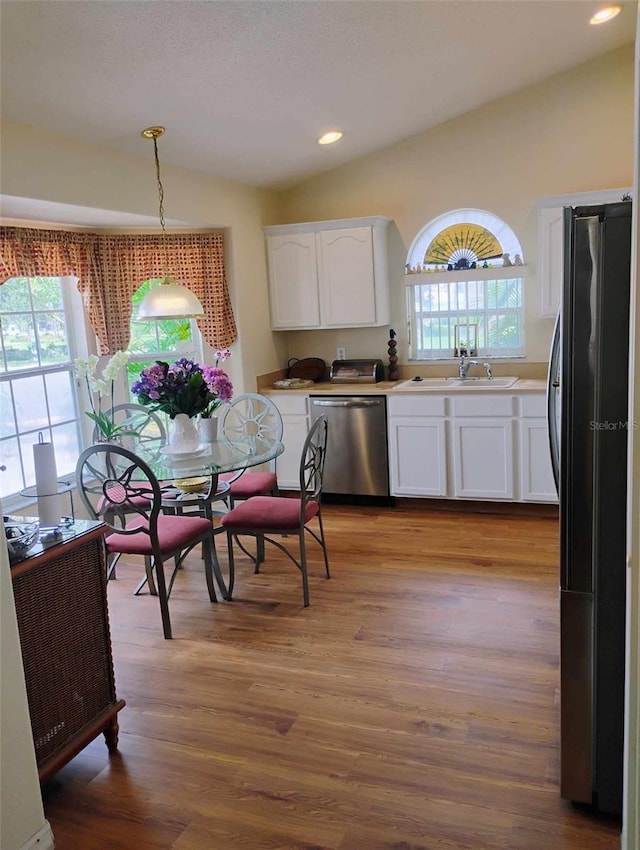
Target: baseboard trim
42	840
538	509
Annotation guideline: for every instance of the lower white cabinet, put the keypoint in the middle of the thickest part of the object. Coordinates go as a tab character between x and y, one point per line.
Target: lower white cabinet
482	446
465	445
295	421
483	459
417	446
536	475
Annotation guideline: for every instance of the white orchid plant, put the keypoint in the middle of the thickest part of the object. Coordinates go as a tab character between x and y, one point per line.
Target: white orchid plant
101	388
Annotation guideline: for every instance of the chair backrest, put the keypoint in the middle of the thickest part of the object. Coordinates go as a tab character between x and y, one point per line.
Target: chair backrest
147	431
115	484
312	461
251	415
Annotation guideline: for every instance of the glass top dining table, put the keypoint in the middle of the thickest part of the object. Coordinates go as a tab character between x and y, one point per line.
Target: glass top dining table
210	459
202	468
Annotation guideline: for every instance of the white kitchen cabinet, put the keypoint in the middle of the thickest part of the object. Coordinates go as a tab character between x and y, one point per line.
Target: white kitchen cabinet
328	274
483	446
470	445
536	475
293	281
550	261
417	446
295	420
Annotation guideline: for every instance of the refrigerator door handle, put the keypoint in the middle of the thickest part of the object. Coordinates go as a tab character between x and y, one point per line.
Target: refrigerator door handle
553	383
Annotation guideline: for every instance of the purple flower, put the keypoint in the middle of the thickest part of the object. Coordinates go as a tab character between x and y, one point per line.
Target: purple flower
183	387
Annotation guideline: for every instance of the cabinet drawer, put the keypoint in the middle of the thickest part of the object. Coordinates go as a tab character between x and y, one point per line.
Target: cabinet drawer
412	405
290	403
533	405
485	405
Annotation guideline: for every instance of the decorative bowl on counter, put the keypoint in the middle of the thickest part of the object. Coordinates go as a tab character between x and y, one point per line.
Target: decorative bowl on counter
21	535
293	384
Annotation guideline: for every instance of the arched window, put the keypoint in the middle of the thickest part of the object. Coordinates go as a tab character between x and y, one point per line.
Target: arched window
465	288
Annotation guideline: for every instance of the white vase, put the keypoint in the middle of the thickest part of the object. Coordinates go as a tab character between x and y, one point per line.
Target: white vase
208	429
183	433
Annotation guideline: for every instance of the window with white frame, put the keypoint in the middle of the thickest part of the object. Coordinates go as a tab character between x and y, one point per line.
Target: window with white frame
465	288
38	393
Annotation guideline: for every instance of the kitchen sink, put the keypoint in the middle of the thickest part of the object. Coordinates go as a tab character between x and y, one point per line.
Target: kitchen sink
453	383
470	383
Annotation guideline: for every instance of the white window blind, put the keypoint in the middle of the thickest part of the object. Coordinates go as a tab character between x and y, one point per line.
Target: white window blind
494	305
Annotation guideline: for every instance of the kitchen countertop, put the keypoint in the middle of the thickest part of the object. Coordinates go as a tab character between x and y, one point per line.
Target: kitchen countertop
526	385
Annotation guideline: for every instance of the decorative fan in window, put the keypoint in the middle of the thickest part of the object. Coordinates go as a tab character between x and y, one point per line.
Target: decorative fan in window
462	246
464	239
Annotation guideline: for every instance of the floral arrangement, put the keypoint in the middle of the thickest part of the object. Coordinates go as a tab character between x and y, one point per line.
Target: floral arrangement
101	388
184	387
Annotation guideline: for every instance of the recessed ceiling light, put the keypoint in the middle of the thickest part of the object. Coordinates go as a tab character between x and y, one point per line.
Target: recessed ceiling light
330	137
605	14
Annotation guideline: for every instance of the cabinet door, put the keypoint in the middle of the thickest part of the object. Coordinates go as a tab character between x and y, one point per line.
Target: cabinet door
483	458
293	408
550	259
536	475
346	273
295	428
293	281
417	456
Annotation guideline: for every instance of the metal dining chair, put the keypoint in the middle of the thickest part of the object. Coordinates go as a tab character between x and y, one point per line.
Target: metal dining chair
264	516
251	415
140	428
118	487
146	428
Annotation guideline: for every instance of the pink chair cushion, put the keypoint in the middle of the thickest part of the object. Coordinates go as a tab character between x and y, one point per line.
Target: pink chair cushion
252	484
268	512
174	532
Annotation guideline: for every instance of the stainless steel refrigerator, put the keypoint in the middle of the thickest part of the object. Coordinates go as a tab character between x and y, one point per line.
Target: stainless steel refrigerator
588	413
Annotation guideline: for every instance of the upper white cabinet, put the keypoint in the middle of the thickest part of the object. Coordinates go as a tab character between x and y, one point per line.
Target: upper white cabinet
551	242
550	259
293	281
329	274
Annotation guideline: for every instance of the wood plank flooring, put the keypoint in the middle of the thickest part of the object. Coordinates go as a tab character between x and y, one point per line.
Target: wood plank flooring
412	706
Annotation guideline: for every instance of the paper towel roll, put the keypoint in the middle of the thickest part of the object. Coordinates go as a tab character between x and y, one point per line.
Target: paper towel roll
44	463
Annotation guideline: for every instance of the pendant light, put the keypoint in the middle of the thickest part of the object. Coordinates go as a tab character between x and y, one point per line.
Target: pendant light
170	300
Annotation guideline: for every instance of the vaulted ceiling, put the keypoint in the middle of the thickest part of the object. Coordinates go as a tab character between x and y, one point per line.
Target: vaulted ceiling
244	87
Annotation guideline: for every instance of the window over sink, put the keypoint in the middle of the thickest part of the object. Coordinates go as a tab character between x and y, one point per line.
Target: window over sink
465	288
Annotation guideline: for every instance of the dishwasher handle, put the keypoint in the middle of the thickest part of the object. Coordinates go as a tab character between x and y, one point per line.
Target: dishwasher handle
334	402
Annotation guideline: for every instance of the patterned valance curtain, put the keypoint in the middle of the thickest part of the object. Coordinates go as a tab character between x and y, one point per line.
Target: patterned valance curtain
110	268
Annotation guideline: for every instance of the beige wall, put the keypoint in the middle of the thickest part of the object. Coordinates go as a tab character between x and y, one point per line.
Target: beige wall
22	820
572	133
62	170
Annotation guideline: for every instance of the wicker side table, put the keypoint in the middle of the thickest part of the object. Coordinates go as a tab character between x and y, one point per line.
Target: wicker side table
63	621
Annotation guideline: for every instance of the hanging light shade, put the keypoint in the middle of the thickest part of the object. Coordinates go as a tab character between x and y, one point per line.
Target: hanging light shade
169	300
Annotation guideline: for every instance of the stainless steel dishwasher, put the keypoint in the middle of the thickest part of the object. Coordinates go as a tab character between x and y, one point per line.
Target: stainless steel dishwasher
356	463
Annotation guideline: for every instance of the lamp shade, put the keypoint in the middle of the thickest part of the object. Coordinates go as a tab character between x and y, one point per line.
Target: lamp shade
170	300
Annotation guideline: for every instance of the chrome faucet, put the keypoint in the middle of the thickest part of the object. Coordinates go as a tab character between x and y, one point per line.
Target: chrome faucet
487	367
463	367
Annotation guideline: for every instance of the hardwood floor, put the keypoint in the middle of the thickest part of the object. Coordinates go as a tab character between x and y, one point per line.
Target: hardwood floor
412	706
